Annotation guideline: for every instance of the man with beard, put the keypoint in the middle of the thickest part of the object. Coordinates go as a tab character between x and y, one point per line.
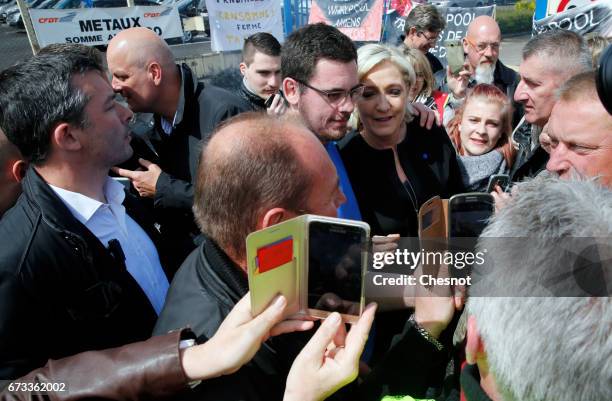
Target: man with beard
481	46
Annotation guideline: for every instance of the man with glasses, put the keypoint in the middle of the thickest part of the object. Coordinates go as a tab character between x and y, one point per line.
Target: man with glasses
320	82
422	30
481	46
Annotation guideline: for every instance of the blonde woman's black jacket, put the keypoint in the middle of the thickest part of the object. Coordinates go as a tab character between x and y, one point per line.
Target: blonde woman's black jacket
61	290
388	206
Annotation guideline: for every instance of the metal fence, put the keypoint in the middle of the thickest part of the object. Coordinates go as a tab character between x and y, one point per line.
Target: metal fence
295	14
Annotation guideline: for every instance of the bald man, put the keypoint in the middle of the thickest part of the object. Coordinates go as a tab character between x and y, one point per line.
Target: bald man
481	46
255	172
186	112
12	171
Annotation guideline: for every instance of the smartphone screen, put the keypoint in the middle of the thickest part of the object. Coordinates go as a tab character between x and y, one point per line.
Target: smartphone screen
470	215
335	267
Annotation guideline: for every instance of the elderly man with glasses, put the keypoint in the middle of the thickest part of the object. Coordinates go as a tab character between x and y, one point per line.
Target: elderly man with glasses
422	30
481	46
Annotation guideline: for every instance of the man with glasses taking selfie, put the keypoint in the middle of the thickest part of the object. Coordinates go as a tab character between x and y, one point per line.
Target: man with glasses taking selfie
422	30
481	46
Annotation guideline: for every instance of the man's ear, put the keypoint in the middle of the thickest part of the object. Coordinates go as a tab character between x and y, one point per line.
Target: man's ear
466	45
154	70
412	31
65	137
474	348
243	68
273	216
19	169
291	89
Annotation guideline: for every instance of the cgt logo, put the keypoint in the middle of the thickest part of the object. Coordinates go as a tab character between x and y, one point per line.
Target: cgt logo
151	15
48	20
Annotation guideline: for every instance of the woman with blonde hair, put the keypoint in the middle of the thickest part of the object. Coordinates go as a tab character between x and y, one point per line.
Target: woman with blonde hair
423	89
480	131
393	163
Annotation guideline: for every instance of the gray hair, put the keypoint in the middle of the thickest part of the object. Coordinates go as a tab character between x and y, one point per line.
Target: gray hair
565	52
547	348
424	17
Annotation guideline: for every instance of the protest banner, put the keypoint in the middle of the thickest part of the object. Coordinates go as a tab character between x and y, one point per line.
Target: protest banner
97	26
457	21
360	20
232	21
593	17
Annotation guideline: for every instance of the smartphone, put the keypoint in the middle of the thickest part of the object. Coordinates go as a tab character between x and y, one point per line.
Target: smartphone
469	214
273	256
503	180
270	99
454	55
336	263
432	222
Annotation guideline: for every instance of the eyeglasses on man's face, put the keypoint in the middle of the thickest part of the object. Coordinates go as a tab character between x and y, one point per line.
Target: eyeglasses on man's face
429	38
337	96
483	46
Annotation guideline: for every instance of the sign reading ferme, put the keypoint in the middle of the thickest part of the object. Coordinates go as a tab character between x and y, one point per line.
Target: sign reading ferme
232	21
97	26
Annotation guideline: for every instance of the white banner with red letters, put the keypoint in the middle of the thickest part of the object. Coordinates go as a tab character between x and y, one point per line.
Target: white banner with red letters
97	26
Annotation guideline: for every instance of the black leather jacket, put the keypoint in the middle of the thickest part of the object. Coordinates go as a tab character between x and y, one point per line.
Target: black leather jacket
256	102
203	292
61	290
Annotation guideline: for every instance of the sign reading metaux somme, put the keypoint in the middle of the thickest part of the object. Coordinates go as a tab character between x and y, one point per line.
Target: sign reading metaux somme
97	26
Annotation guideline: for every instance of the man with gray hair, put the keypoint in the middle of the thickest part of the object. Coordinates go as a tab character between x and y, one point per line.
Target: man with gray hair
539	321
549	60
539	316
422	30
580	145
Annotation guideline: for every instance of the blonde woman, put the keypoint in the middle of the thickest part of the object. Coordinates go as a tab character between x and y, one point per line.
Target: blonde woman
423	89
393	163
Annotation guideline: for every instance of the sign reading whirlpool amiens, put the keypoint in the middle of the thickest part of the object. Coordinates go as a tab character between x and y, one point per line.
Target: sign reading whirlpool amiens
97	26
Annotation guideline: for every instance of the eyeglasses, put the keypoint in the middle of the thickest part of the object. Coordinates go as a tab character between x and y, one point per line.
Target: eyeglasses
430	39
337	97
482	47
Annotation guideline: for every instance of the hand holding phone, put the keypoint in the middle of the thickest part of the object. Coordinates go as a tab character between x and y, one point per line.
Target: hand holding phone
503	180
276	104
454	55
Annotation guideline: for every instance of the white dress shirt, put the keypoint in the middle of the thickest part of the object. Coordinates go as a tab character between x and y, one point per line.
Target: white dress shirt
109	221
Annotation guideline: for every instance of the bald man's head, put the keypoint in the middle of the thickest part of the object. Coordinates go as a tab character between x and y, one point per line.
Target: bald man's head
482	41
257	171
141	63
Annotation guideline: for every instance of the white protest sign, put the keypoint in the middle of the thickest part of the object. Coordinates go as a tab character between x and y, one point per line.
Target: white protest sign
97	26
231	21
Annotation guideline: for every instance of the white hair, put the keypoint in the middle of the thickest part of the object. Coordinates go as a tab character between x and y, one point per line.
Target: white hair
547	348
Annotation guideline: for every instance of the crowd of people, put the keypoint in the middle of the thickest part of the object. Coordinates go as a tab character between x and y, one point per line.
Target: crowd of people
123	258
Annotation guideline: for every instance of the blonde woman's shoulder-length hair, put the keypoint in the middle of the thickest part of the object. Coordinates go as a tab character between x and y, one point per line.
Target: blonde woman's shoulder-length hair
371	55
